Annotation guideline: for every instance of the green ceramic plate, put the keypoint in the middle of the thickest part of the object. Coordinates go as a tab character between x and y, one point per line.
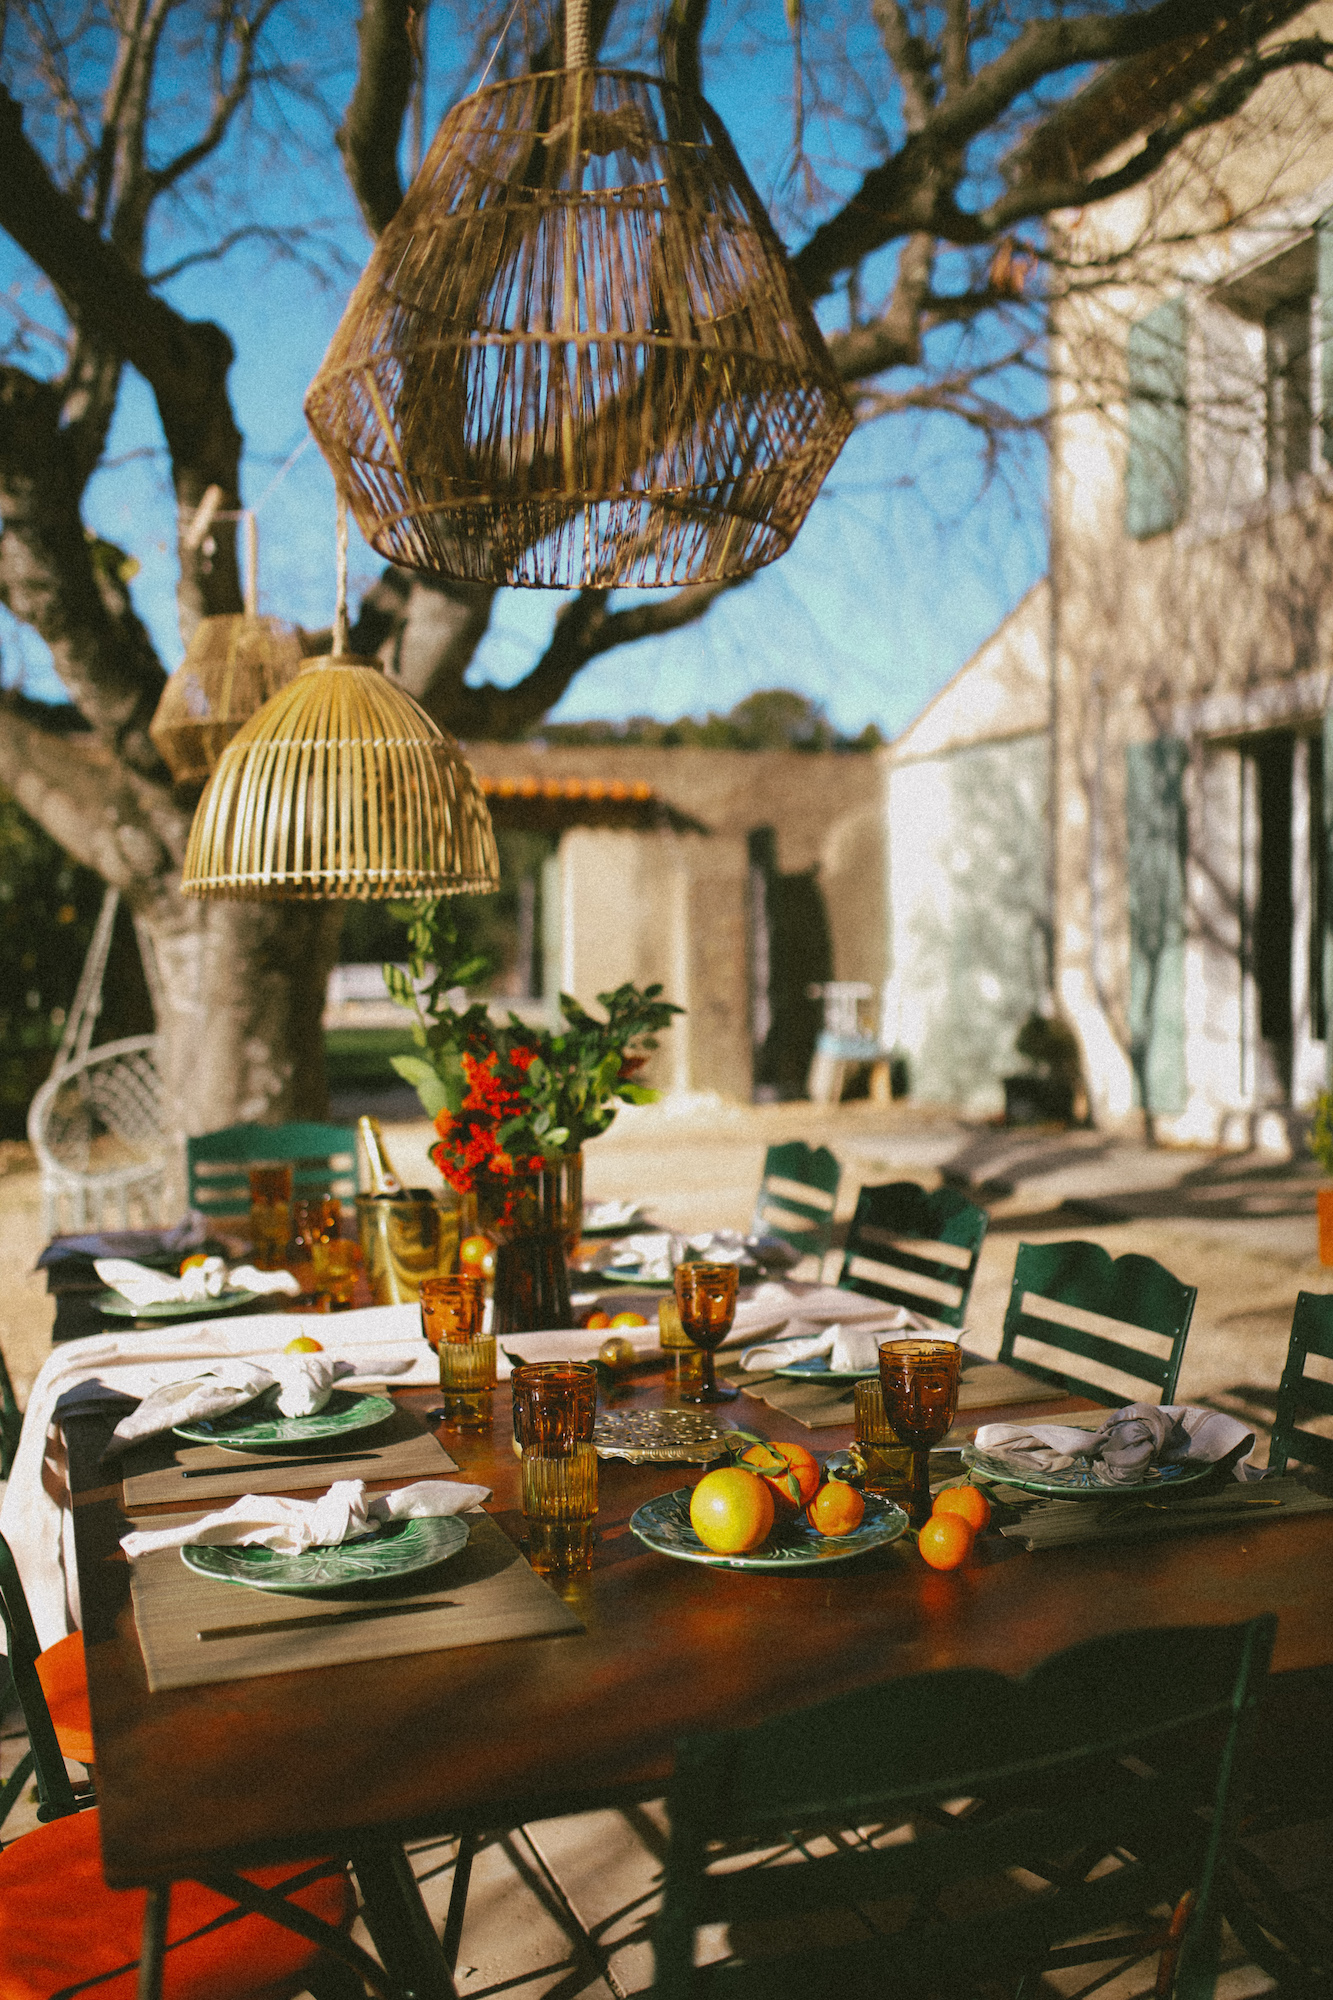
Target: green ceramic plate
664	1525
398	1549
255	1426
817	1369
1077	1483
119	1307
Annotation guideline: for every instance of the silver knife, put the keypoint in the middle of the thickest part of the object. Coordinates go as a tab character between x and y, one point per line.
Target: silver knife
352	1617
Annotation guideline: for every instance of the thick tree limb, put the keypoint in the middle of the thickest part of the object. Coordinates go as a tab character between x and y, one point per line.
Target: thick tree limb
65	586
369	134
682	26
127	828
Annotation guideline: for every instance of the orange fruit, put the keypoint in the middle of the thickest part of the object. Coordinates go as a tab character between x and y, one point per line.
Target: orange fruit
731	1511
304	1343
476	1257
968	1501
597	1320
945	1541
629	1319
783	1465
188	1263
837	1508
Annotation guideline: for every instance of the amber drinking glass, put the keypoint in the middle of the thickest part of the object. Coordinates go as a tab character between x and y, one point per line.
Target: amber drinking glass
706	1302
555	1410
885	1460
270	1212
451	1319
919	1380
336	1263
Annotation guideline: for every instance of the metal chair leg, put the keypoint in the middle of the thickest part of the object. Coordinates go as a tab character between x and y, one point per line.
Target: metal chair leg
453	1923
400	1924
154	1944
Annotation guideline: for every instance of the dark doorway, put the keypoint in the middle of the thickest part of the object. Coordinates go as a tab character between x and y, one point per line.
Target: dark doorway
1273	914
790	950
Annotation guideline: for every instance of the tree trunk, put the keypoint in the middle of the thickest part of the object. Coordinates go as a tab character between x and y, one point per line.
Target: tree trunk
240	994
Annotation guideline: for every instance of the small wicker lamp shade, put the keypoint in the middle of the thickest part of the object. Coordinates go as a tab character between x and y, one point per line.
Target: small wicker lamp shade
578	354
232	666
341	787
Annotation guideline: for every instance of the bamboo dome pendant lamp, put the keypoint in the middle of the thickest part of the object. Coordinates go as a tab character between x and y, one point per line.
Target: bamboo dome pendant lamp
232	665
578	354
341	787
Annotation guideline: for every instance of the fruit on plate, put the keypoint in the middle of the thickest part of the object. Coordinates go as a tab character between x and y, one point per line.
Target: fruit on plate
189	1263
790	1470
597	1320
617	1353
304	1343
945	1541
837	1508
476	1256
628	1319
968	1501
731	1511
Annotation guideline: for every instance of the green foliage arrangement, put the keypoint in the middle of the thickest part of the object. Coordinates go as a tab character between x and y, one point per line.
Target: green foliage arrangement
507	1098
1320	1140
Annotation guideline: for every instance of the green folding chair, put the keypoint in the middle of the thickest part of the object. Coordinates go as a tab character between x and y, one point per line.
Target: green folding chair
11	1421
874	1878
915	1249
56	1796
323	1161
1125	1320
797	1196
1301	1395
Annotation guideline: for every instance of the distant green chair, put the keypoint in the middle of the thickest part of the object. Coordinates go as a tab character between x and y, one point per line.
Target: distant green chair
1301	1395
1128	1317
797	1197
1068	1778
915	1249
323	1161
11	1421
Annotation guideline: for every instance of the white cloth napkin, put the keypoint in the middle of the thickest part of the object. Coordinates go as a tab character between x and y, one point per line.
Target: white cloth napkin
143	1286
848	1348
655	1256
1128	1442
610	1214
343	1514
306	1383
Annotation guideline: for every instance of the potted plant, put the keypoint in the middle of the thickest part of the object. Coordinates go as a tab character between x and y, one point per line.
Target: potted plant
512	1102
1320	1143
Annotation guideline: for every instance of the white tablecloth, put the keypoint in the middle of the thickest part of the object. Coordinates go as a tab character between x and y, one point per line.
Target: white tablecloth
35	1517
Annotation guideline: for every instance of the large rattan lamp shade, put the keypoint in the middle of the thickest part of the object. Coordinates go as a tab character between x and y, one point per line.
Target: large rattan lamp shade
341	787
578	354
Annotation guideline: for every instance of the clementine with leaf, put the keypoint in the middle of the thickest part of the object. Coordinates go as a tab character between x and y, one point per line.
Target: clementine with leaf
790	1470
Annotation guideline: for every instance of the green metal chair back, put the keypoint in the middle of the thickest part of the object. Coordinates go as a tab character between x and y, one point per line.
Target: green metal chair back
1301	1395
11	1421
1070	1765
1125	1320
323	1161
797	1196
915	1249
56	1795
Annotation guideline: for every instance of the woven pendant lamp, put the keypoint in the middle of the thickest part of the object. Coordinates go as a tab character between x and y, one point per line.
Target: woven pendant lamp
232	666
578	354
341	787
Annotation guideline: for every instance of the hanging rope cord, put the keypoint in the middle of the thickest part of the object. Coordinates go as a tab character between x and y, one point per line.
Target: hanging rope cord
578	53
340	597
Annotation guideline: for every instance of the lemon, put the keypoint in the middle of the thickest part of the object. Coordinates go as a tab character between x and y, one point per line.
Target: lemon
629	1319
731	1511
304	1343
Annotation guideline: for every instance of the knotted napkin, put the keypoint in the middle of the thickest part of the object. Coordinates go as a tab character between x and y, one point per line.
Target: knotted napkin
209	1280
305	1383
1130	1442
343	1514
849	1348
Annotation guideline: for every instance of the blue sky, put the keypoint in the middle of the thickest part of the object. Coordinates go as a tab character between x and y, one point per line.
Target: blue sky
905	564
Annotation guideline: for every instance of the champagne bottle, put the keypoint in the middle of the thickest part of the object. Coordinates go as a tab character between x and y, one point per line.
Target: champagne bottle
384	1182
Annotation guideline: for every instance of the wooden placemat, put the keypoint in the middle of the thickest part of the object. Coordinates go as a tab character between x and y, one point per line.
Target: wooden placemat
818	1405
1051	1524
193	1629
400	1449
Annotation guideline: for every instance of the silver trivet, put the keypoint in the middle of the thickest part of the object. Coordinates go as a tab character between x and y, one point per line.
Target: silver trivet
658	1437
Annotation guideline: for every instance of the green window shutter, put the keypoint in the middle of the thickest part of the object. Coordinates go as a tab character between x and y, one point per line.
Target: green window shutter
1155	826
1323	238
1157	471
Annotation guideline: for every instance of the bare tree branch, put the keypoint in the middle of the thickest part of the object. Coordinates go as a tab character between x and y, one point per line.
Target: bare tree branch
369	134
682	26
126	827
911	58
227	98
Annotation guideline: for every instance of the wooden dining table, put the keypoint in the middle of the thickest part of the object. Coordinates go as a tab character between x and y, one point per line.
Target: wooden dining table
359	1757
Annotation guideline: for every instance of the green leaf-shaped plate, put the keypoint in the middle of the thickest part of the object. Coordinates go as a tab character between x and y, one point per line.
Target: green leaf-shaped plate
257	1427
117	1306
400	1548
1077	1483
664	1525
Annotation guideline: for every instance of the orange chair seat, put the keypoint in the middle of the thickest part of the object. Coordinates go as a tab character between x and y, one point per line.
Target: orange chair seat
62	1930
63	1673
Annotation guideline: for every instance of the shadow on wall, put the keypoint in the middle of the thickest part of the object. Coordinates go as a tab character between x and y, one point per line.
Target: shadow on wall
981	947
791	950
